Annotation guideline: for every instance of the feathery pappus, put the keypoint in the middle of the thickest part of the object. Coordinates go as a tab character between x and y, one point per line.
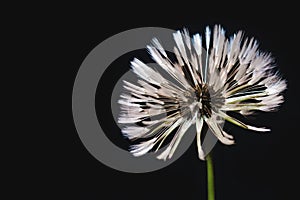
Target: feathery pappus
212	75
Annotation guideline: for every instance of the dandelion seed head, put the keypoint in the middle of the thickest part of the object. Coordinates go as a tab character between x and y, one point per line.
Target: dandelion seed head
211	76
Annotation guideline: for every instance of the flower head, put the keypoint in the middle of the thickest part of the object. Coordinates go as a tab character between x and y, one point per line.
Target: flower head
202	85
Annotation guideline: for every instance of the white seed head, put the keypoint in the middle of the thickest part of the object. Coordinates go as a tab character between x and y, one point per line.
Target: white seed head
232	75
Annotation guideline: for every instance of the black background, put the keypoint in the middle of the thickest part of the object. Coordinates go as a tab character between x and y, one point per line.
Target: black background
259	166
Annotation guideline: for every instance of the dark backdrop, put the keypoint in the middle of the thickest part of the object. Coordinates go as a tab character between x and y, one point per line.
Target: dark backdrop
259	166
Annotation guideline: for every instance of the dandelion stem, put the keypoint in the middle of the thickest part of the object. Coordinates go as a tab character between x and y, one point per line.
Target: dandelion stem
210	178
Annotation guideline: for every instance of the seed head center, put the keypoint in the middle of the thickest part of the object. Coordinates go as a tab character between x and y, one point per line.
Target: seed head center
204	101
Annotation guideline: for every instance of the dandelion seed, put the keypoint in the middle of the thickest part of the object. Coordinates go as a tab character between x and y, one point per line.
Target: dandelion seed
232	75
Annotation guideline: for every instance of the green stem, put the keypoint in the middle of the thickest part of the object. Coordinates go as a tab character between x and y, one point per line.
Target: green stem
210	178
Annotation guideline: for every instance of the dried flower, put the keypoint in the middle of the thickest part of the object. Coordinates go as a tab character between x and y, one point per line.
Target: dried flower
231	75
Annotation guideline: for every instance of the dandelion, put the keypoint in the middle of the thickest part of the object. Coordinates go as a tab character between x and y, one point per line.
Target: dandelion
212	75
